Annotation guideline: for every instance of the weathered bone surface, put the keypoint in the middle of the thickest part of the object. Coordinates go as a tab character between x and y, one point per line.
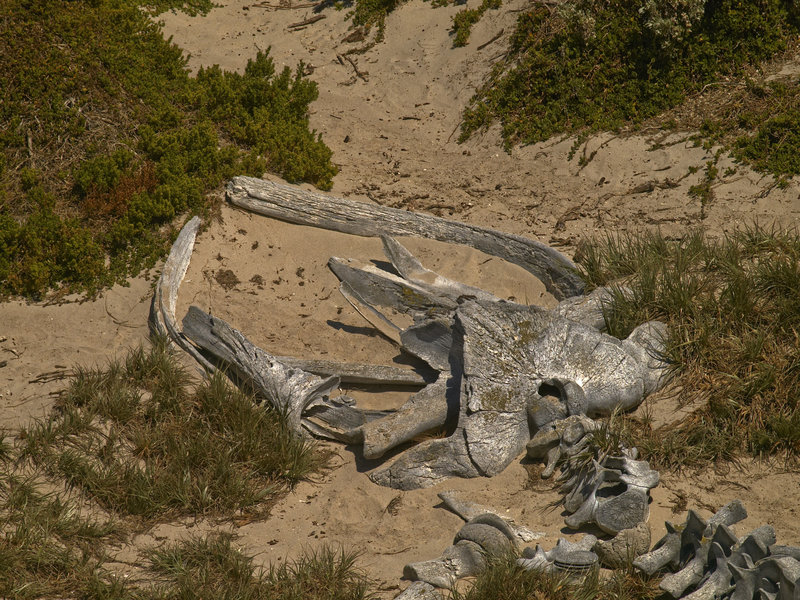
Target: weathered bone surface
469	510
486	534
572	558
498	362
419	590
709	562
321	210
611	491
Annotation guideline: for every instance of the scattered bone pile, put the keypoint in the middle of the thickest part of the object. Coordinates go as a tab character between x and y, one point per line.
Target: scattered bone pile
705	560
699	560
502	371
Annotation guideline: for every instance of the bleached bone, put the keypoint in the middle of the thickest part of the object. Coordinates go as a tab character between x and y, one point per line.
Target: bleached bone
359	373
680	544
304	207
486	534
498	355
469	510
419	590
425	411
566	557
459	560
162	310
287	389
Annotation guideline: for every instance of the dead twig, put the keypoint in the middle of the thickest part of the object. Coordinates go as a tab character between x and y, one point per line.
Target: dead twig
308	21
494	39
51	376
360	74
287	7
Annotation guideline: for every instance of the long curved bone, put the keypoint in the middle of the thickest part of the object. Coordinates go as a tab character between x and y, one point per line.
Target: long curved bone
304	207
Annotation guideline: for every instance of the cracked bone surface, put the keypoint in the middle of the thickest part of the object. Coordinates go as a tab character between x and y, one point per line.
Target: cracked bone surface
497	362
708	561
482	536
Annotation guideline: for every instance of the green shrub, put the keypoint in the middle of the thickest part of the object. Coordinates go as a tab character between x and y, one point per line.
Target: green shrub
465	19
593	64
124	140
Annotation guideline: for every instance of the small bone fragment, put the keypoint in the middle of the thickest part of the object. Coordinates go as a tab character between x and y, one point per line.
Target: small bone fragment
459	560
469	510
419	590
292	204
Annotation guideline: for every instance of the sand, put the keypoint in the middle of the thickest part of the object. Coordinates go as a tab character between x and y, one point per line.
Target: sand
393	131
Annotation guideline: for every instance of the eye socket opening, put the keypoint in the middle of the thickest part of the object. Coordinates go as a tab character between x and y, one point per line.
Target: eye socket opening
550	390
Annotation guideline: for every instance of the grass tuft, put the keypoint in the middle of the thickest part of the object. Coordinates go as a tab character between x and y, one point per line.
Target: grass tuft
140	439
211	567
504	580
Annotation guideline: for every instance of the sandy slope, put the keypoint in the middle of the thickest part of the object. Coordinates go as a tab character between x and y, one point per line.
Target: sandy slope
392	132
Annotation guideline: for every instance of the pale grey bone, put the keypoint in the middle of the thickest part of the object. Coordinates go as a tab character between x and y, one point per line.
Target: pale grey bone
724	566
490	326
425	410
491	539
692	572
463	559
566	556
162	310
479	447
359	373
287	389
419	590
292	204
485	534
628	544
680	544
411	270
587	485
469	510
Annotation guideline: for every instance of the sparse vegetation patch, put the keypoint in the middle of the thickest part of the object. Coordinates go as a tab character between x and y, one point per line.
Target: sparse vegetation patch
734	318
140	439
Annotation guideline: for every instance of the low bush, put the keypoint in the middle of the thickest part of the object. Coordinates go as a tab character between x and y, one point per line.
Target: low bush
588	65
105	138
